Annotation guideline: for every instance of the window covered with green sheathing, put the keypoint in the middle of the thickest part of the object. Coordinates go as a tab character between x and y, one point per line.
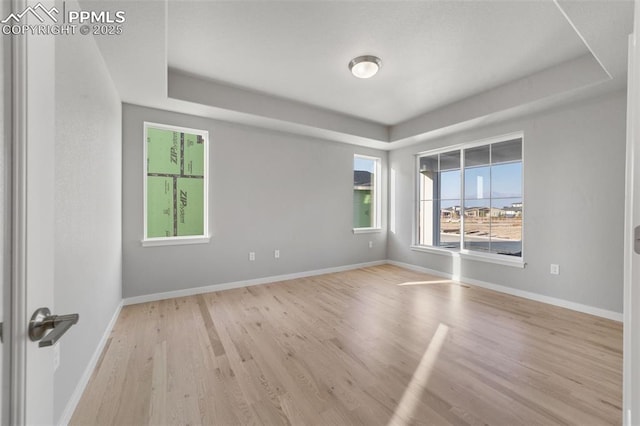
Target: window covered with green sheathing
175	181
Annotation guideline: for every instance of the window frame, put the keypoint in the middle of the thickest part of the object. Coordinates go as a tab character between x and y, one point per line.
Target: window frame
205	237
462	252
377	195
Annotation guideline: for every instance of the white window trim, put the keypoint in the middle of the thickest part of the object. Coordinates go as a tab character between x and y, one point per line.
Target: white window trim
180	240
366	230
377	214
473	144
174	241
500	259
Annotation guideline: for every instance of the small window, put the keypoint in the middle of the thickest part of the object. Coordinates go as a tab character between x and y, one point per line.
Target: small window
366	193
471	198
175	185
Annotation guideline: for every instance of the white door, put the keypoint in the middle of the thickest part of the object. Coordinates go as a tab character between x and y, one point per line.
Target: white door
631	403
5	108
33	61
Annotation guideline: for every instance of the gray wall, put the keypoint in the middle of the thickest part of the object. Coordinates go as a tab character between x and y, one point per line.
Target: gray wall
574	204
88	246
268	190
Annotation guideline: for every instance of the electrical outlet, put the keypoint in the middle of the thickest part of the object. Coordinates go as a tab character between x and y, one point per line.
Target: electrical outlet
276	254
370	244
252	256
555	269
56	356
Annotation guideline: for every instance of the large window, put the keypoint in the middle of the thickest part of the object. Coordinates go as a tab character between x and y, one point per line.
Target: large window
175	184
366	193
471	198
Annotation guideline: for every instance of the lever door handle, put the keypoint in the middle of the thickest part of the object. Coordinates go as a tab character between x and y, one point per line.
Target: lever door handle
42	321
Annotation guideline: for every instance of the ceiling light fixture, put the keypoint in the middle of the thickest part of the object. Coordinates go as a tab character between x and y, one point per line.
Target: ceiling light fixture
365	66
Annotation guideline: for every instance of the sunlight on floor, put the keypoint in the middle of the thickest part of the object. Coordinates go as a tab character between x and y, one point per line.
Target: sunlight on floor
411	397
456	296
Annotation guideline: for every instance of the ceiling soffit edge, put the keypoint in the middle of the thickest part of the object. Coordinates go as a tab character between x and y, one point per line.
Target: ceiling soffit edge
506	100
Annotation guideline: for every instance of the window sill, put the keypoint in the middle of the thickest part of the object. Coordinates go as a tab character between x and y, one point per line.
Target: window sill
479	257
435	250
516	262
174	241
366	230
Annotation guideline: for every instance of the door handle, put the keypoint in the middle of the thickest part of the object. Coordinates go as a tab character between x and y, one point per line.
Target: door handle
42	321
636	239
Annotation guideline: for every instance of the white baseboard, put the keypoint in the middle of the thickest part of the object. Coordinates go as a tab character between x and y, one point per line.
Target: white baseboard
239	284
65	418
612	315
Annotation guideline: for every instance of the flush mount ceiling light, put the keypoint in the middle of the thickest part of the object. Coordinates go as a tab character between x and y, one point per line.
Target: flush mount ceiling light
365	66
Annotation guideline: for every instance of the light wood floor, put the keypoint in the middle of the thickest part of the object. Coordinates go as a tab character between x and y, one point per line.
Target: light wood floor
374	346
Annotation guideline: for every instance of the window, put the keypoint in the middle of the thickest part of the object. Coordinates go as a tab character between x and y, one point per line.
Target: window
471	199
175	185
366	193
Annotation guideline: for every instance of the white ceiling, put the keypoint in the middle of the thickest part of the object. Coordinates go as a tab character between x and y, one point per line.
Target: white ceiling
446	64
433	52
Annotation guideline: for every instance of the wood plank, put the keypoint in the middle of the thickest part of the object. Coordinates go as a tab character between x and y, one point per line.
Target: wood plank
356	348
